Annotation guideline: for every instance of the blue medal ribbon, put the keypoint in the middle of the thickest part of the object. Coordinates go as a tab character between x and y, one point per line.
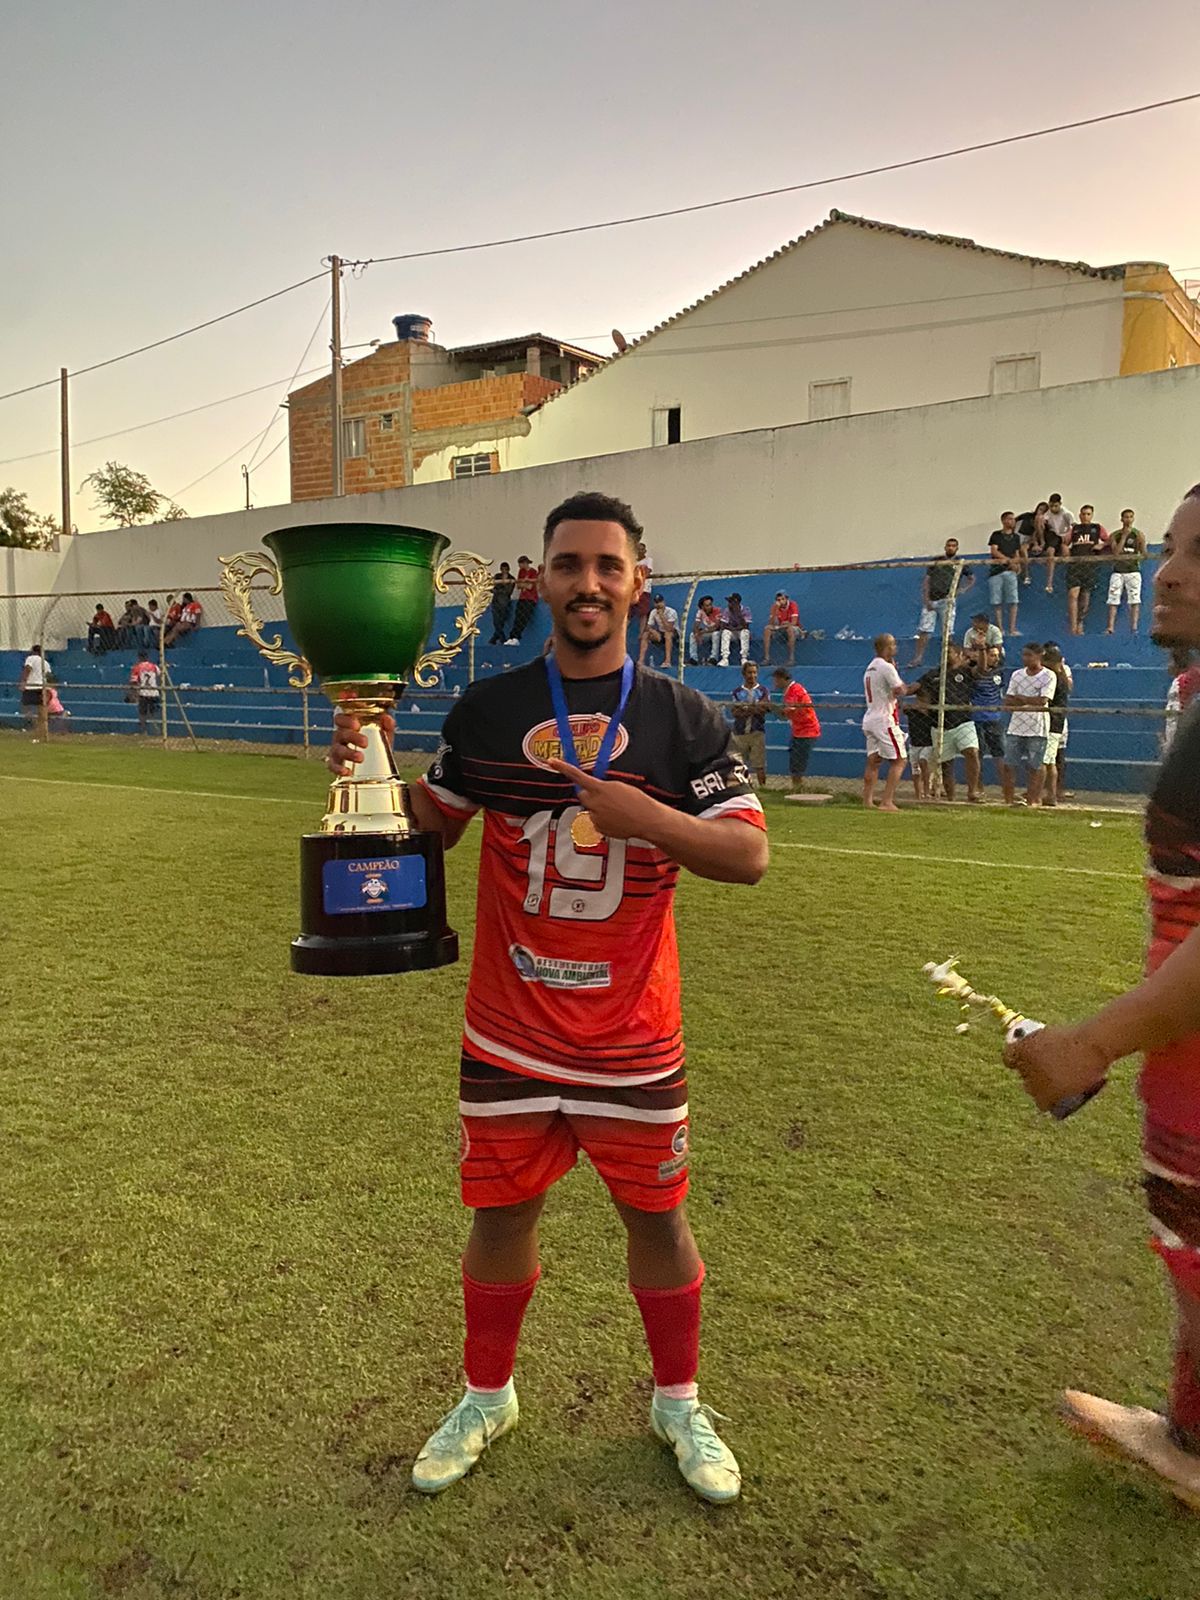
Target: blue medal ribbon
562	717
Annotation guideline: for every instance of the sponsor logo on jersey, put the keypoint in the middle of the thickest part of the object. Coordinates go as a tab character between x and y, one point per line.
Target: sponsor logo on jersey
541	745
679	1142
671	1169
717	783
556	973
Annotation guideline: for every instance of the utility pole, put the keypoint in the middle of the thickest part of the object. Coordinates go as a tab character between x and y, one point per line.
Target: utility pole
246	477
335	345
66	450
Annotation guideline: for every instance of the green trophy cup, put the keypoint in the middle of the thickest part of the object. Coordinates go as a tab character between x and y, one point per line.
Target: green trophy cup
359	600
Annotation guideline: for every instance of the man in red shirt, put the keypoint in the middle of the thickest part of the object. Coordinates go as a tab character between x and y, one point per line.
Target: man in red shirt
783	617
527	598
102	634
797	707
190	615
1160	1017
572	1037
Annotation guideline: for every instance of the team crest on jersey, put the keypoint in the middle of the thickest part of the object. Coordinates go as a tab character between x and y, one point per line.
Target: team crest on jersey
541	745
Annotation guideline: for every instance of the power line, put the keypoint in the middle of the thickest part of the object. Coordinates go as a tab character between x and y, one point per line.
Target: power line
102	438
232	456
291	381
790	188
170	339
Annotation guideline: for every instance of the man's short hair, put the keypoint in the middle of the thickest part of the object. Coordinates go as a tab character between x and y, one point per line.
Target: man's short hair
143	655
703	598
880	640
980	616
1051	652
660	599
35	649
1034	647
187	595
590	506
1085	507
1056	496
1128	511
1004	514
781	672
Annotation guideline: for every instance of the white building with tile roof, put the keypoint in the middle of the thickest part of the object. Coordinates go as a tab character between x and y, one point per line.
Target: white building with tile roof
859	316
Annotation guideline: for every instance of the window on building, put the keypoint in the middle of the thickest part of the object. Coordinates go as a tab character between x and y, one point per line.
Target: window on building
554	371
1014	374
387	422
354	437
471	466
666	424
828	397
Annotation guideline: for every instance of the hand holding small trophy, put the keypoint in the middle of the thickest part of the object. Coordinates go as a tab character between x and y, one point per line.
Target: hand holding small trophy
359	598
949	983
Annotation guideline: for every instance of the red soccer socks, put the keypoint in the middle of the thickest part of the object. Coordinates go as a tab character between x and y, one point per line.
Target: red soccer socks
494	1314
671	1318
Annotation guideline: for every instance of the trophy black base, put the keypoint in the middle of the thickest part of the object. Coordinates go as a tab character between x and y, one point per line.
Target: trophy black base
371	904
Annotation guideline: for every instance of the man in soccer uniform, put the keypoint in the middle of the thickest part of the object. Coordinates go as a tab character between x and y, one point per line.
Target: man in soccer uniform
883	689
1160	1017
572	1037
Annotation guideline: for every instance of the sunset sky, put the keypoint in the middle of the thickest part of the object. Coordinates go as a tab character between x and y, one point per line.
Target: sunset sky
163	163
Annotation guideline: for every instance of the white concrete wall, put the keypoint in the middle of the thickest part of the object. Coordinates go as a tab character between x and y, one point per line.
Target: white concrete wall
745	358
859	488
28	573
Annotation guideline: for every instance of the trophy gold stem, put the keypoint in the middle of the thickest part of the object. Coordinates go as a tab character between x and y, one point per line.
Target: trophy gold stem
371	799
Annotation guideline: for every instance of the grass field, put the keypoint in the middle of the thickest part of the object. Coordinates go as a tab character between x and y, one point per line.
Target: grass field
230	1290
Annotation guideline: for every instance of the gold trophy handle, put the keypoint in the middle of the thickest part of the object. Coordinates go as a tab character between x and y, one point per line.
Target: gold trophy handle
477	585
237	575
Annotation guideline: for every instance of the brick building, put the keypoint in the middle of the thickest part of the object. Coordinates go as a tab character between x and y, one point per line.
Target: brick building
411	397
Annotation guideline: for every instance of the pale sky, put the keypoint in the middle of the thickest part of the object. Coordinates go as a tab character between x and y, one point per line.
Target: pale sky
163	162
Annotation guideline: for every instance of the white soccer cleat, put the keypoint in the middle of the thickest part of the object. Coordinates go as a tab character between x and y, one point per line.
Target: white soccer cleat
457	1444
708	1465
1138	1435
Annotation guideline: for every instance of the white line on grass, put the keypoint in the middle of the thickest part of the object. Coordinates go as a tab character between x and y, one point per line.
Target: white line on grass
140	788
955	861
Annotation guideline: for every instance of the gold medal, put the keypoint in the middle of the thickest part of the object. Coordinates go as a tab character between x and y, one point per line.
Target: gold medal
585	835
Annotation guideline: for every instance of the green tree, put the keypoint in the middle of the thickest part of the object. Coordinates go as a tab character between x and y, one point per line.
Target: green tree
126	497
21	526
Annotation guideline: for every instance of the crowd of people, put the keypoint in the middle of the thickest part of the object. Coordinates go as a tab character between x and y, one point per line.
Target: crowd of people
143	627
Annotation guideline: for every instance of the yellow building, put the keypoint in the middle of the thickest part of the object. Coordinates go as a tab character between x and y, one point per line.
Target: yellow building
1161	326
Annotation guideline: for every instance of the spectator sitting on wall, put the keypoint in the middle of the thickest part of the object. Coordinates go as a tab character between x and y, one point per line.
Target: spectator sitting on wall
144	684
662	627
1054	788
156	620
959	736
1031	525
191	613
1088	541
527	598
174	612
503	585
706	631
783	617
750	723
640	610
981	638
1004	553
798	708
987	701
102	635
936	605
737	623
1030	691
133	626
1129	549
32	683
1057	536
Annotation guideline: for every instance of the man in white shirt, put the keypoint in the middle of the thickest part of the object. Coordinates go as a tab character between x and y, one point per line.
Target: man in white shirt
883	688
1030	691
661	627
33	685
706	630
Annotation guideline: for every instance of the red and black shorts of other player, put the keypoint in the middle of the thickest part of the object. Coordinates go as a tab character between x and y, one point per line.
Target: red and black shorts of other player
521	1134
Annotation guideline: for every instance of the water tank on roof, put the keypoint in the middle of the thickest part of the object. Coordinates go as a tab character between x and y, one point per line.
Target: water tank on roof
415	328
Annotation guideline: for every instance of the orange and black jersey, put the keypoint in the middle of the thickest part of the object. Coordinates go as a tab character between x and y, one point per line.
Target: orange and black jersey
575	974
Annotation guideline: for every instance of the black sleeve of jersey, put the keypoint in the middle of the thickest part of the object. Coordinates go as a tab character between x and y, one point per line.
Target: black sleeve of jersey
445	770
714	770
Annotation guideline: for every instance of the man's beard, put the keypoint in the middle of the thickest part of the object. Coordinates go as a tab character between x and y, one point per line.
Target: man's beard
589	643
1167	640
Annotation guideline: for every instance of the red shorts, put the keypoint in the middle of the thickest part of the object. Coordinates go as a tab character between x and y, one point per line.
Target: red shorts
521	1134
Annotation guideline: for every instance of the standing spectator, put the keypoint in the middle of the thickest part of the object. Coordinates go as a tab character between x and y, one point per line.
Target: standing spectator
959	737
102	635
936	605
527	598
1004	553
737	621
662	627
920	749
798	708
1129	549
33	685
191	613
987	700
1088	540
640	610
883	688
750	723
1030	691
706	631
981	638
1056	740
503	585
783	617
157	622
144	680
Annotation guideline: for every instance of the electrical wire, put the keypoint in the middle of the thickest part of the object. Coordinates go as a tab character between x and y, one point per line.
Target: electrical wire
789	188
291	381
170	339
